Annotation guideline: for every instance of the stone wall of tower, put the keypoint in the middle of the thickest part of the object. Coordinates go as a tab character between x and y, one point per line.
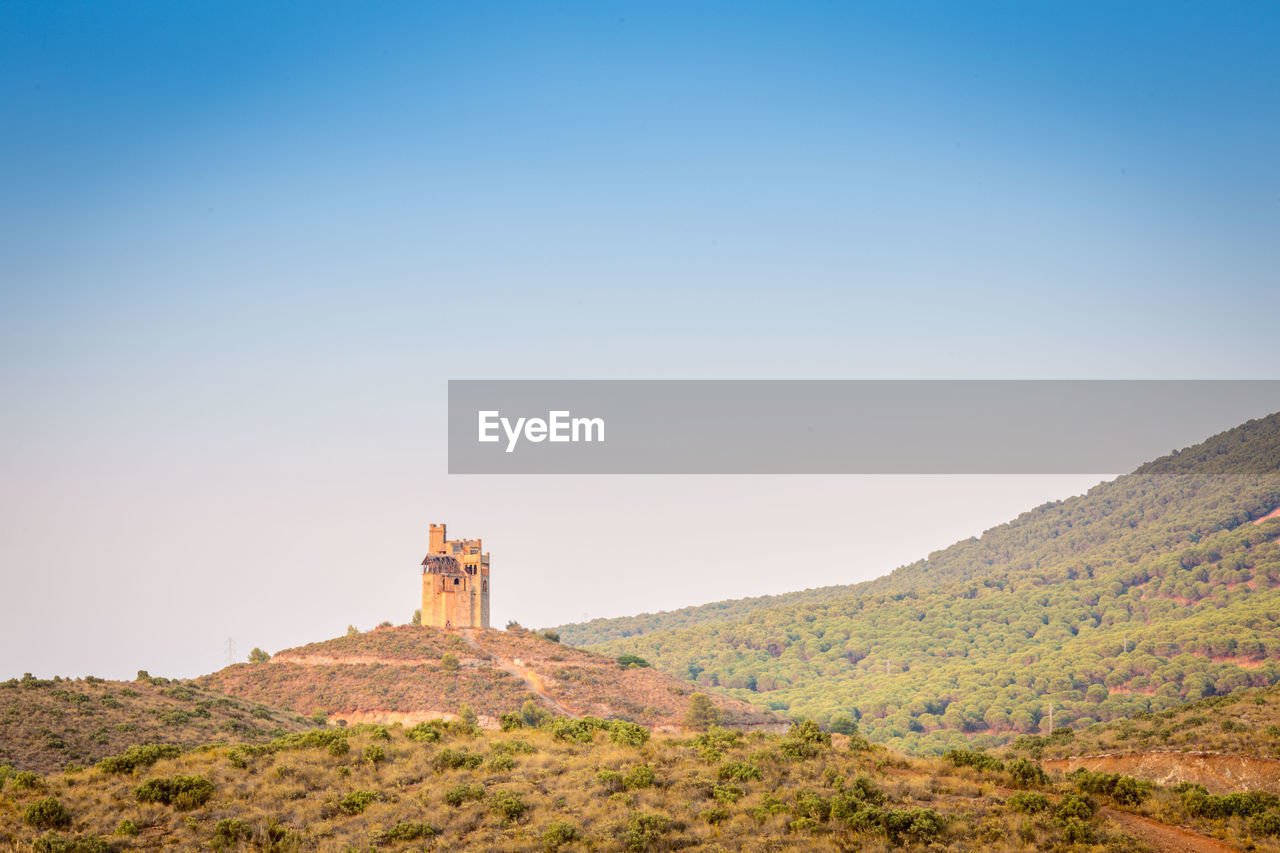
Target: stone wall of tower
455	586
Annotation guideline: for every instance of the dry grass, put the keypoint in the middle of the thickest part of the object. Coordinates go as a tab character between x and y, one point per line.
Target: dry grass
529	790
46	725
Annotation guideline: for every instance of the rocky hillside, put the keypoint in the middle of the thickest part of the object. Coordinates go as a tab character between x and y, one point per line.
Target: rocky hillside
410	674
50	724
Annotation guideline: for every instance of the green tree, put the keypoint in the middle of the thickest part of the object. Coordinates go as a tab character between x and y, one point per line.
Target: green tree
258	656
843	724
702	714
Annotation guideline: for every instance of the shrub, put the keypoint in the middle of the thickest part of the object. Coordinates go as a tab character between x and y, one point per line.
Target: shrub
408	831
1124	790
1073	807
374	753
739	771
339	747
644	831
51	842
727	793
127	828
502	763
632	661
970	758
143	755
507	805
639	776
229	832
467	716
1027	802
449	662
628	734
321	739
452	759
459	794
357	801
578	731
1027	773
25	780
804	740
513	747
558	834
769	805
424	732
1199	803
1267	823
804	824
182	792
550	635
715	814
508	721
47	814
915	825
610	779
1076	832
812	805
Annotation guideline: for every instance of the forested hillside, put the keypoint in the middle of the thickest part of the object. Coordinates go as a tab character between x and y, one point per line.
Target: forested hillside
1150	589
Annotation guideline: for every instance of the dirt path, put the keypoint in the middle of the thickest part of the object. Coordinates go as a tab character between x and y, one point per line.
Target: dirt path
1164	837
528	676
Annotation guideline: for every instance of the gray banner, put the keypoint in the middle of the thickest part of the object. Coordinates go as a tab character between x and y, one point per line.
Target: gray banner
837	426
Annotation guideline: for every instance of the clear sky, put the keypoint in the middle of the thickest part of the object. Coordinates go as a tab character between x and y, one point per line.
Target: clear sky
244	245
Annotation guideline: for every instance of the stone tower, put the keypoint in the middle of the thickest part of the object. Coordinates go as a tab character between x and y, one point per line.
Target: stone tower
455	582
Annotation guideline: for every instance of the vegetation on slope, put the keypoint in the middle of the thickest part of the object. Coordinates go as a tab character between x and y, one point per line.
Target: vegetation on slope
49	724
412	673
1149	590
1245	723
591	785
1231	478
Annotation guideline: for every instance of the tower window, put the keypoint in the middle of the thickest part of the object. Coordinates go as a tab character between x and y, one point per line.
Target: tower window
455	581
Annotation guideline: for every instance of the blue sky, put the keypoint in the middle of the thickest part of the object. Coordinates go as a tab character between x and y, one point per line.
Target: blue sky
244	245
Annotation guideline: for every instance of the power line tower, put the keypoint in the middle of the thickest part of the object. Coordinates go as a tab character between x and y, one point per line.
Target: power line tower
231	651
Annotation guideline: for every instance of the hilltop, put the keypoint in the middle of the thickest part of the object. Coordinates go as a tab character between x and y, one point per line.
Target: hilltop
410	674
49	724
1150	590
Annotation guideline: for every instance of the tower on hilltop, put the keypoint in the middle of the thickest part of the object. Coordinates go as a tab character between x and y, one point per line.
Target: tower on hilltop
455	582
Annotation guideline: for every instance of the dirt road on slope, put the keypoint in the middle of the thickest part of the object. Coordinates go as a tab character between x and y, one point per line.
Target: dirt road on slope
1162	836
524	673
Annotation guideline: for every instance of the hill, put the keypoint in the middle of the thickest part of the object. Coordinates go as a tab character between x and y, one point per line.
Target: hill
1149	590
411	674
593	785
49	724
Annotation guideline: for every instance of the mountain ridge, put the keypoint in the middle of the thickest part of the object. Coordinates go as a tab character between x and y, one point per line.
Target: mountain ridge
1149	589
